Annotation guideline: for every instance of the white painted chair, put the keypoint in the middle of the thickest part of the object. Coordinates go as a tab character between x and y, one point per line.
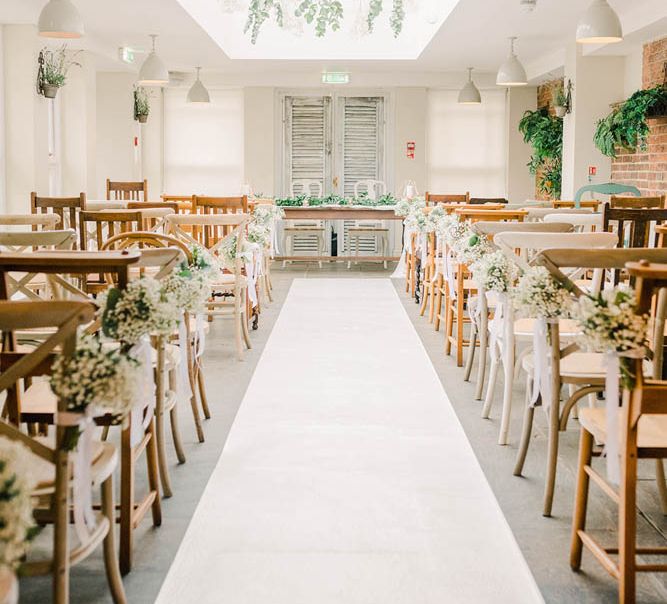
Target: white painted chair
368	229
304	229
582	223
538	214
519	246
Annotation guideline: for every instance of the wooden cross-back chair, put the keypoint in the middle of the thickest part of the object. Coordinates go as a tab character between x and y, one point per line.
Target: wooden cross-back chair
635	226
184	202
643	435
37	222
211	231
219	205
591	204
135	191
166	253
66	208
647	203
37	405
17	242
52	465
434	199
583	372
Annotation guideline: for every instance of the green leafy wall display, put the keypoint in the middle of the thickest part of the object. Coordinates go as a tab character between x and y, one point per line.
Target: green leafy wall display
544	132
626	126
325	15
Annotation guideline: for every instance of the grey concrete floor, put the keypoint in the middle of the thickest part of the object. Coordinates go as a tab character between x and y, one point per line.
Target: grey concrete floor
544	541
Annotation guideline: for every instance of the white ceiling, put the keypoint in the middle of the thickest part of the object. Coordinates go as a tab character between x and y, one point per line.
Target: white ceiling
474	34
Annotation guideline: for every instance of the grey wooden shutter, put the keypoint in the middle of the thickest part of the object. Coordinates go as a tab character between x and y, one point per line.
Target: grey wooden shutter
363	141
307	140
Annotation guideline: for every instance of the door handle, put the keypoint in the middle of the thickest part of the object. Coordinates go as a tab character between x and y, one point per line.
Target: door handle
335	182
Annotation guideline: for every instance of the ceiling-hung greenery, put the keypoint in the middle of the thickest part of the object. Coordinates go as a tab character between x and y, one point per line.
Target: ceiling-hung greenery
325	15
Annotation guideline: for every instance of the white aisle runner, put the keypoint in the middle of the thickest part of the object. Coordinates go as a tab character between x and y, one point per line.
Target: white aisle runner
347	478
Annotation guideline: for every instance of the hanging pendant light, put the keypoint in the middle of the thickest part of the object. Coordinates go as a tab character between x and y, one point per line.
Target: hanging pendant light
511	72
469	94
198	92
60	19
153	72
599	25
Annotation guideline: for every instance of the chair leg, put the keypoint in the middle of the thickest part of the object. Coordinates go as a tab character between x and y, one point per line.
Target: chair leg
238	328
483	350
437	312
459	331
160	419
385	248
471	351
320	247
110	560
552	455
581	498
173	420
126	502
508	385
428	290
662	485
193	399
449	327
627	521
528	415
202	393
493	376
246	332
153	475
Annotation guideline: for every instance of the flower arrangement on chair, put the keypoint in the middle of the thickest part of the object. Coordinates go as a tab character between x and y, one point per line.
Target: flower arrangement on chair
495	272
539	295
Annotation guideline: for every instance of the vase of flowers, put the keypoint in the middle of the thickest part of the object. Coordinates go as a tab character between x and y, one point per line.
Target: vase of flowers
141	105
53	67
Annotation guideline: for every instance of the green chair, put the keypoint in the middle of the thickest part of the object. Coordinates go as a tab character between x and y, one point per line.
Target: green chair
609	188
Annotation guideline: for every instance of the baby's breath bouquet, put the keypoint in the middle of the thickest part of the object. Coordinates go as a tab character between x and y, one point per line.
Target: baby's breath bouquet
471	247
205	264
434	218
405	207
259	233
96	374
142	308
494	272
455	230
610	322
267	214
539	295
189	288
17	526
229	251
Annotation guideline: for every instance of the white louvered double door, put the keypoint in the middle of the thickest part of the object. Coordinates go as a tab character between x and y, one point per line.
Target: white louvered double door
336	141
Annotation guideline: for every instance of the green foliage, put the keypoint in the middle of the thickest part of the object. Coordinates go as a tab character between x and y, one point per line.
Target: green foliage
374	10
336	200
560	98
141	104
258	12
397	17
625	127
325	14
544	132
56	64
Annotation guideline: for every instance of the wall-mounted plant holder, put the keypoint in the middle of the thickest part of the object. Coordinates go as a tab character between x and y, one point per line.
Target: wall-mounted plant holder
52	69
142	106
563	100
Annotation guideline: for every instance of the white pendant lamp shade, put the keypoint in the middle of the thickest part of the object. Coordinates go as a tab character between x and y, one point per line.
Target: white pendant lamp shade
511	72
599	25
60	19
198	92
469	94
153	72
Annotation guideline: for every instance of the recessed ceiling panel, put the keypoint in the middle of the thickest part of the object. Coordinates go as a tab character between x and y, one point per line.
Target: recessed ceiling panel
225	20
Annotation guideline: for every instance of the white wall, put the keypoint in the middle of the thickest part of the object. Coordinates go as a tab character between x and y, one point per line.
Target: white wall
410	125
520	182
117	157
204	145
634	66
467	144
259	127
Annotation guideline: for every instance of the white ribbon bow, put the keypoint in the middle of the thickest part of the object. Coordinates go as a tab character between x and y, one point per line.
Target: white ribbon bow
541	365
145	393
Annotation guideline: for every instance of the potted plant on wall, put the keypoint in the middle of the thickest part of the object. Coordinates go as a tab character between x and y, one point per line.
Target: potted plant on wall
560	102
53	67
141	105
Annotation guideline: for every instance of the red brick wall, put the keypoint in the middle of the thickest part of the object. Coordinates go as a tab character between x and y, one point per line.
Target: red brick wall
647	169
545	98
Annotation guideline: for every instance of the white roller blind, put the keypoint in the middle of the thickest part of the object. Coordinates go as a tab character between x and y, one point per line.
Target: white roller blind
307	140
363	129
467	144
203	145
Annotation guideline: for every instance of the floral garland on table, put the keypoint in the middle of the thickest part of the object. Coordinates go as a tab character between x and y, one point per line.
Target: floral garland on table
17	525
98	375
539	295
494	272
142	308
267	214
259	234
610	323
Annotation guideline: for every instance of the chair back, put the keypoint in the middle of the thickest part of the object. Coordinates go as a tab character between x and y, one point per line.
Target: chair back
538	214
135	191
580	222
373	188
306	186
490	228
219	205
635	226
66	208
184	202
97	227
36	221
609	188
484	200
652	203
434	199
561	204
500	215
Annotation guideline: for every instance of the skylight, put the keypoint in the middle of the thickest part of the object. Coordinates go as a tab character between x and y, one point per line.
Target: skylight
224	22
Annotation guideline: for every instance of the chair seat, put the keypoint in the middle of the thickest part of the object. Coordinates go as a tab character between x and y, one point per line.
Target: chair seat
105	459
229	280
652	429
523	328
577	368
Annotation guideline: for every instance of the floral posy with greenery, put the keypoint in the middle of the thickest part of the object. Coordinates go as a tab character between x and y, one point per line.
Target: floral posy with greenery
323	15
54	66
17	525
539	295
495	272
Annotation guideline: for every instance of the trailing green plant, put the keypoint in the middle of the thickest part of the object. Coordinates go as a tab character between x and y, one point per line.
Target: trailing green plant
142	106
258	12
544	132
397	17
626	126
374	10
325	14
559	96
54	66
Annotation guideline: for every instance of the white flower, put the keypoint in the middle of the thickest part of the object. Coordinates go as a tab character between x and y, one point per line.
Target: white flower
229	252
538	295
189	287
259	233
268	214
469	247
609	321
103	376
494	272
16	485
404	207
142	308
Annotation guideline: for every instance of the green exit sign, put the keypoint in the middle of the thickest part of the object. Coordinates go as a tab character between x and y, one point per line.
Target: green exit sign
335	77
126	54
